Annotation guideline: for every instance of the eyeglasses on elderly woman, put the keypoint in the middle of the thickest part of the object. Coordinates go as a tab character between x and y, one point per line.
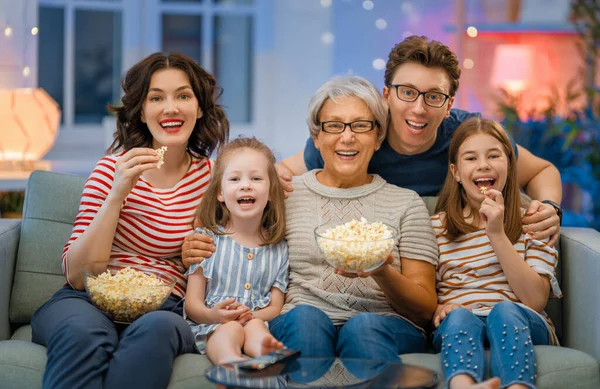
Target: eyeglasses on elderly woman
358	126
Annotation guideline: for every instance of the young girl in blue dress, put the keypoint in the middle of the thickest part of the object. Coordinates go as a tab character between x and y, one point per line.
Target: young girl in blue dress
493	281
232	294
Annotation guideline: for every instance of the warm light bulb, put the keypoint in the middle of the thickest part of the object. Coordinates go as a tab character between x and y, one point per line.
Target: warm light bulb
327	38
326	3
468	63
8	31
26	71
472	32
34	31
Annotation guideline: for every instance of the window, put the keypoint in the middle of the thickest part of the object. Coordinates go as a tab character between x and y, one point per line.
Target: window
85	46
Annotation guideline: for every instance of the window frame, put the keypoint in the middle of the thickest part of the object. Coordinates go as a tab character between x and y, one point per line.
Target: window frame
141	36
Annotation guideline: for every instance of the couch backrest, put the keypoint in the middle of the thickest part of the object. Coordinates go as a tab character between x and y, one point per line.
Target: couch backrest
51	203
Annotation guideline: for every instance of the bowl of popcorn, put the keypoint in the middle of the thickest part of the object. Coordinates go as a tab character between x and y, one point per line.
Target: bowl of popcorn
357	245
125	294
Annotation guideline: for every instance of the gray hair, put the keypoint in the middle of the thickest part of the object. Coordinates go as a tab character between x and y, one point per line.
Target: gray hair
347	86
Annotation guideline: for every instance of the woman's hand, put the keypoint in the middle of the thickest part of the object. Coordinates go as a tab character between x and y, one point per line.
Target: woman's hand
541	222
195	248
227	310
492	211
129	168
363	274
442	311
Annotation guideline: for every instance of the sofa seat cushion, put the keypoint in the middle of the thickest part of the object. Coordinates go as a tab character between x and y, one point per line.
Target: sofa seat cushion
558	367
22	333
22	364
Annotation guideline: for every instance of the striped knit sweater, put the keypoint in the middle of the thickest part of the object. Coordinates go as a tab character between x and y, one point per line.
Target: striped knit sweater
312	280
469	273
153	222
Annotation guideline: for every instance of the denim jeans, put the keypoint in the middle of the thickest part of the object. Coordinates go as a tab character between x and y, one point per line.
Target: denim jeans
366	335
87	350
511	332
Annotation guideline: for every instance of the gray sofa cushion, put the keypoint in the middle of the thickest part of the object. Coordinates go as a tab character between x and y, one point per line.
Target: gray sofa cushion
49	212
558	367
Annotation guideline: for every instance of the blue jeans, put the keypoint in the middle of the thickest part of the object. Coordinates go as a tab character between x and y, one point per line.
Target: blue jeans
87	350
366	335
511	332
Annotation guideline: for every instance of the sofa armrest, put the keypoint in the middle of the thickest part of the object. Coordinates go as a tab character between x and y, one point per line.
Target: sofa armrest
580	256
10	231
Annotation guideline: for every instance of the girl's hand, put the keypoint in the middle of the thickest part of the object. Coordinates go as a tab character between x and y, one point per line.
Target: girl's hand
363	274
492	211
196	247
245	317
442	311
227	310
129	168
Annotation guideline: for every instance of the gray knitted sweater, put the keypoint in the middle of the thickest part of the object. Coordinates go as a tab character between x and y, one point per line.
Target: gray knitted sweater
312	280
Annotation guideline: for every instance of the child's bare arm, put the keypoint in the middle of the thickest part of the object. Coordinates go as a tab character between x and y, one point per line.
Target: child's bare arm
272	310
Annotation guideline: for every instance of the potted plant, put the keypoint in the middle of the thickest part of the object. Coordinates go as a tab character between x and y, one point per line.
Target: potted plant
11	204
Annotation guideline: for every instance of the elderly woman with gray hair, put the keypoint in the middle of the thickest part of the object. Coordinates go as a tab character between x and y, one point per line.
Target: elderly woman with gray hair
328	312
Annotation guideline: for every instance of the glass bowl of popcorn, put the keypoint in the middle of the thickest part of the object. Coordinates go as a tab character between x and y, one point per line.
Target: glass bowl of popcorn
125	294
357	245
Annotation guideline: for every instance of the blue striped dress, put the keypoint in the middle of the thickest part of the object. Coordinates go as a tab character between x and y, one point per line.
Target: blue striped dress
248	274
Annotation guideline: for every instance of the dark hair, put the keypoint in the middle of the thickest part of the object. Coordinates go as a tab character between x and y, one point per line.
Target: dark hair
210	131
212	213
453	198
429	53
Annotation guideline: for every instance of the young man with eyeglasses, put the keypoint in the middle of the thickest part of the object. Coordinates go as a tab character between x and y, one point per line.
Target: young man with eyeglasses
422	77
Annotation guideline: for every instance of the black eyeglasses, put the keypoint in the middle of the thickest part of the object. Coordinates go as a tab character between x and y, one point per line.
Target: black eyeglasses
337	127
408	93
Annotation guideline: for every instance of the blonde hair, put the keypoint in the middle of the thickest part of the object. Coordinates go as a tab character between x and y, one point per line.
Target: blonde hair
212	213
453	199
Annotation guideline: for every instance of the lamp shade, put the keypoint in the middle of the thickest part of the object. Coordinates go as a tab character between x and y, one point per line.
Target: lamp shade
30	120
513	67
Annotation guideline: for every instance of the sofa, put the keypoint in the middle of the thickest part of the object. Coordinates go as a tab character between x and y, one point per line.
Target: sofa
30	273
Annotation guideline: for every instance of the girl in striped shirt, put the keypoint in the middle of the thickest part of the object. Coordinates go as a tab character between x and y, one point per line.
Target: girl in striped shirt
231	294
493	281
136	212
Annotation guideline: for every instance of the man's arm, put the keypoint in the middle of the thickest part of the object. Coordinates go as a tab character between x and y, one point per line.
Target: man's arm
538	177
541	181
293	166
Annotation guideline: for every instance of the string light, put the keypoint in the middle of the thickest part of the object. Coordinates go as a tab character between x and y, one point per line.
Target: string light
378	64
468	63
368	5
327	38
26	71
326	3
8	31
472	31
381	24
34	31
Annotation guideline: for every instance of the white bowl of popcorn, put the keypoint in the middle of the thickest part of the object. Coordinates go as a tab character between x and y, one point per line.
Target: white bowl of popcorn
357	245
125	294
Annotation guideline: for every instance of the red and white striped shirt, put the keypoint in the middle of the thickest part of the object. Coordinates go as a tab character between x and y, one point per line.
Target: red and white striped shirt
469	273
153	222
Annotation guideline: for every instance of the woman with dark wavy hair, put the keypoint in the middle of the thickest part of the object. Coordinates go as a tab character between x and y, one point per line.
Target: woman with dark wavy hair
137	206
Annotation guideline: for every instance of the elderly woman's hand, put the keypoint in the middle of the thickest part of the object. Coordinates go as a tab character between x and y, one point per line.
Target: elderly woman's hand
541	222
196	247
363	274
